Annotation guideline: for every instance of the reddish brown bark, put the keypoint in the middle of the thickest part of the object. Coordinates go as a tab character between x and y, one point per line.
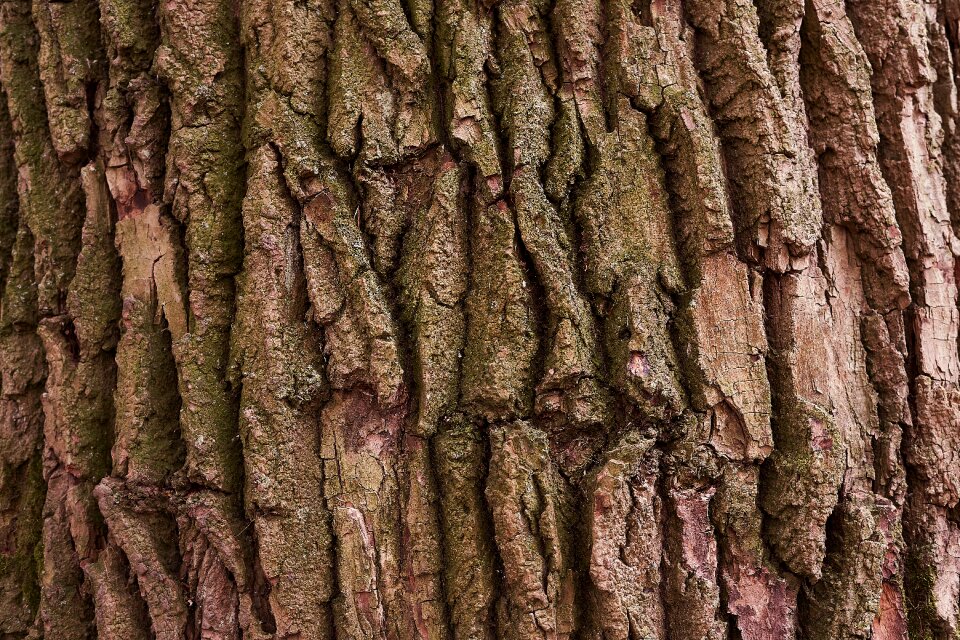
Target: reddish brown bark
456	319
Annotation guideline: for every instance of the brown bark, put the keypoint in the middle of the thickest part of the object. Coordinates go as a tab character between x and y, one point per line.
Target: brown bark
460	319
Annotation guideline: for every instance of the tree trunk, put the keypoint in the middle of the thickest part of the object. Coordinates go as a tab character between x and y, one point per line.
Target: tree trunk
478	319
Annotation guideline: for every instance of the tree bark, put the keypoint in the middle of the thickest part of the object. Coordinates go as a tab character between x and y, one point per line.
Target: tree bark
479	319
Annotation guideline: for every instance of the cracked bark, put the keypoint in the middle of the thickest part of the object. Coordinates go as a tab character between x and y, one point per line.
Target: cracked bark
533	319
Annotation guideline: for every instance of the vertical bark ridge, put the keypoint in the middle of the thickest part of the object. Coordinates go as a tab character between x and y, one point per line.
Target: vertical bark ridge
912	157
135	500
763	44
460	460
286	67
9	215
731	51
490	369
726	387
78	408
147	449
285	75
283	387
941	26
79	344
19	395
564	429
132	119
778	215
778	28
864	221
51	195
567	391
71	66
365	422
856	538
859	544
631	271
509	277
23	375
76	399
199	57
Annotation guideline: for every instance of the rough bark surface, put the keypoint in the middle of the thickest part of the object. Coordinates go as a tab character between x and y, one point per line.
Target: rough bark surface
479	319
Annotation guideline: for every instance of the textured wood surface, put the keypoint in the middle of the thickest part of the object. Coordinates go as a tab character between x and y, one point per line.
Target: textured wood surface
478	319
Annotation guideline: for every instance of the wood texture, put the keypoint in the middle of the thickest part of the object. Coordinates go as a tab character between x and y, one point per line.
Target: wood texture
479	319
